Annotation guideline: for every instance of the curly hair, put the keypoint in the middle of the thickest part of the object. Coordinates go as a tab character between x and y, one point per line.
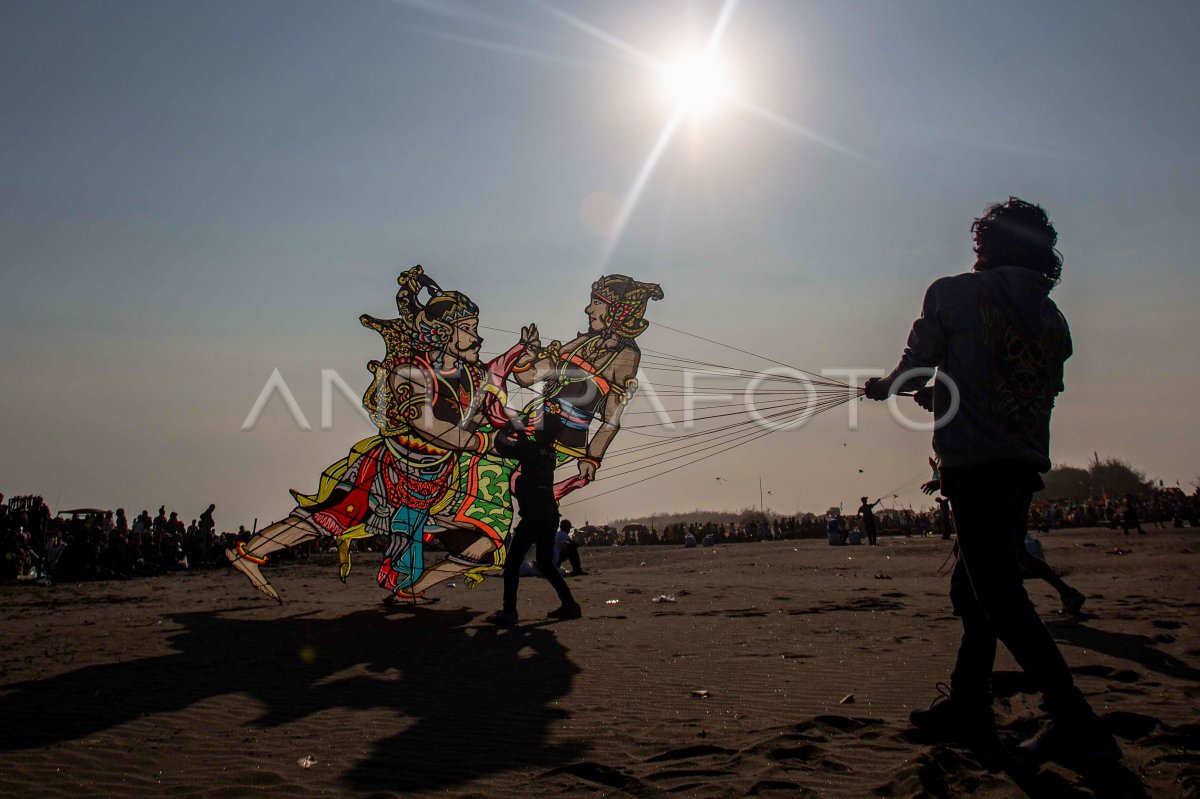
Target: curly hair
1017	233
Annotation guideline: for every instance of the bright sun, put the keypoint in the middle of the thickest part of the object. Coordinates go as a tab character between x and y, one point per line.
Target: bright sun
696	85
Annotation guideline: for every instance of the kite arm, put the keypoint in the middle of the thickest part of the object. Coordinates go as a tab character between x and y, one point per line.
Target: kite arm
499	369
532	372
606	432
623	386
539	364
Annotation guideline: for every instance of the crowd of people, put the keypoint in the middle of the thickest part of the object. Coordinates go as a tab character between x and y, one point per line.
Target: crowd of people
91	544
96	544
905	521
1159	507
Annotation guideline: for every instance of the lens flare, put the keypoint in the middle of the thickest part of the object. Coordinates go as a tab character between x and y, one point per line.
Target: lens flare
697	85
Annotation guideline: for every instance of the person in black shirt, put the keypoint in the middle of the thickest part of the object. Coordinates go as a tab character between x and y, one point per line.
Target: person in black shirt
997	337
867	512
534	448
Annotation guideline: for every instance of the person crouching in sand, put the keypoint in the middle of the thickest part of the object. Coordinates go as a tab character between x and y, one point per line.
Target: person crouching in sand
996	337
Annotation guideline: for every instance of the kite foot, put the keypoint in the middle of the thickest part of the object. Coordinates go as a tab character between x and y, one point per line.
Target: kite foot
401	596
253	573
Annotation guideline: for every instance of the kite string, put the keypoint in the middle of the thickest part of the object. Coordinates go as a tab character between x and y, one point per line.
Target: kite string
786	418
718	433
745	352
747	440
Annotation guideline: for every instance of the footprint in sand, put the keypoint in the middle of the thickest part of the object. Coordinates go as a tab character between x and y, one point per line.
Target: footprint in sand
685	752
1130	726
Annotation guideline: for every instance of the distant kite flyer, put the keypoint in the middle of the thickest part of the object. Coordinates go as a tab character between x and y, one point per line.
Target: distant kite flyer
432	474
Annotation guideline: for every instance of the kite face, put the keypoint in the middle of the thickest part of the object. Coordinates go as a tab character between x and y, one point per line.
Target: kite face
597	313
622	302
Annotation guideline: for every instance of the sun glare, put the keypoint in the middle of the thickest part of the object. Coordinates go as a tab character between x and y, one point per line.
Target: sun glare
696	85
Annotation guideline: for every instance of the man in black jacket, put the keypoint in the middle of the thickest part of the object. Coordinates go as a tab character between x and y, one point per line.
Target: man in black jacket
533	447
997	340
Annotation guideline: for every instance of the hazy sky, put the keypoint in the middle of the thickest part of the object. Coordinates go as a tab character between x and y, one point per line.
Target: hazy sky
195	194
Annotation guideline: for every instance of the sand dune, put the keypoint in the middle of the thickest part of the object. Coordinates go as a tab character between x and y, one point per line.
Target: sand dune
193	685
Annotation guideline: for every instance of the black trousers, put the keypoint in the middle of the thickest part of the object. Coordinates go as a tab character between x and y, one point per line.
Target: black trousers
533	529
991	504
570	553
872	533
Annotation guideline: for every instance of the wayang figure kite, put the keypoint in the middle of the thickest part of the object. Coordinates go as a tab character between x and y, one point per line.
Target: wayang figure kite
583	375
431	474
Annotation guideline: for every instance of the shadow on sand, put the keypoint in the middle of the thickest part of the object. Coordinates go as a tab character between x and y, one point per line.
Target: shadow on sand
1137	648
471	700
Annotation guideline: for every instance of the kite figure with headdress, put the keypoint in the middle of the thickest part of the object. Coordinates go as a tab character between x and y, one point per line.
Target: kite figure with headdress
428	474
592	376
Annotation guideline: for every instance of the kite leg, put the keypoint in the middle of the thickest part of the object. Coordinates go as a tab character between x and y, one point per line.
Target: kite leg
404	560
452	566
248	557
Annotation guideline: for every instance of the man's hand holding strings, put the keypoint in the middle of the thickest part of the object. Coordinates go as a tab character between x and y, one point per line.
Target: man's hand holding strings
876	389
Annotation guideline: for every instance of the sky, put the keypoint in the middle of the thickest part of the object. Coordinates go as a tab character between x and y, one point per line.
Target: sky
195	195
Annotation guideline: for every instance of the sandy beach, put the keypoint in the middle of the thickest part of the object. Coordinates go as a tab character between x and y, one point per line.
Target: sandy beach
193	685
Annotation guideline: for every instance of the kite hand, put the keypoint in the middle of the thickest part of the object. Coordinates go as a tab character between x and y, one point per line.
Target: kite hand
876	389
931	486
531	338
587	470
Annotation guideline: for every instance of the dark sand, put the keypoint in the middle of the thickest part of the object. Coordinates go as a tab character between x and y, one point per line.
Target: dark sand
193	685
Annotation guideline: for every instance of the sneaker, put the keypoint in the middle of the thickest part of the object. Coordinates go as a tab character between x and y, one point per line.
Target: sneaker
949	717
567	612
502	618
1072	603
1084	740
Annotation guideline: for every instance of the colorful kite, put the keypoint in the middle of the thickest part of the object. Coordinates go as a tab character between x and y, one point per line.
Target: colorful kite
431	474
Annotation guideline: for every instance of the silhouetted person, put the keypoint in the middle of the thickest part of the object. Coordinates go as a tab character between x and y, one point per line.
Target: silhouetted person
867	512
207	525
995	334
1129	519
533	447
944	518
566	548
